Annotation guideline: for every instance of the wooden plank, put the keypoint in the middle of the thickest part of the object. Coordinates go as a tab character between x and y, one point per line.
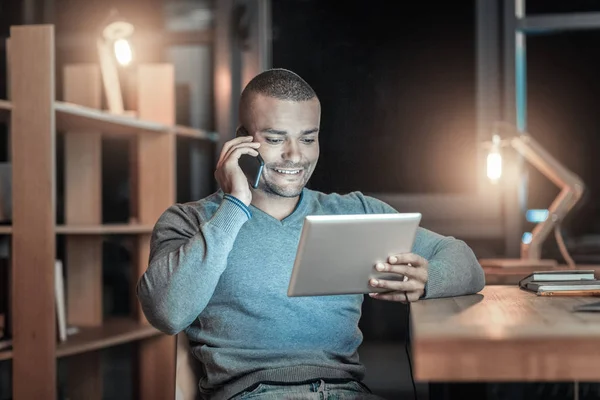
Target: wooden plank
72	117
256	56
83	198
155	192
33	242
227	73
155	154
83	206
106	229
113	332
505	334
76	118
4	113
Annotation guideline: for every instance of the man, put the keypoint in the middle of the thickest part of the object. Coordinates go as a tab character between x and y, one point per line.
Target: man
220	267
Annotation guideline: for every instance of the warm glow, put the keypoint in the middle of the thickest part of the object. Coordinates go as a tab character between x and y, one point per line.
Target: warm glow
123	51
494	161
494	166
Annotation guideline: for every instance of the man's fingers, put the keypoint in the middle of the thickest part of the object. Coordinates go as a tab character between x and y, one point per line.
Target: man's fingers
237	153
414	296
407	258
406	286
251	145
225	156
393	296
402	297
406	270
229	144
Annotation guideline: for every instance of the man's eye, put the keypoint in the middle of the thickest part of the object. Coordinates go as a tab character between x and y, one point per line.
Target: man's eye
308	141
273	141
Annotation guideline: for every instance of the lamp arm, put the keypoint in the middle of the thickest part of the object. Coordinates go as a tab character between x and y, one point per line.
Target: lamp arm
557	210
110	78
546	163
570	184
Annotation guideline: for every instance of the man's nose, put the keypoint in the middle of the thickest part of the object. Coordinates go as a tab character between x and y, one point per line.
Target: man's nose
292	152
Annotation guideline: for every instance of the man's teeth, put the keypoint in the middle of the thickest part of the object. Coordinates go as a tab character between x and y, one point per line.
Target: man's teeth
288	171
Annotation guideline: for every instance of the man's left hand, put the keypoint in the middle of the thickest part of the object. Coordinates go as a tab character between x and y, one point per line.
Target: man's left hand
414	269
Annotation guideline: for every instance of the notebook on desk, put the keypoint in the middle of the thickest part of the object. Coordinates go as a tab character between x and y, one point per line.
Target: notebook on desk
562	283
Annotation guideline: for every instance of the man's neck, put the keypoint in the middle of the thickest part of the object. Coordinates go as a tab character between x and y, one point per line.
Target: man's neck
276	206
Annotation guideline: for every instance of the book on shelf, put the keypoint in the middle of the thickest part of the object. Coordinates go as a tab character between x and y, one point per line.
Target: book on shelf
59	297
562	283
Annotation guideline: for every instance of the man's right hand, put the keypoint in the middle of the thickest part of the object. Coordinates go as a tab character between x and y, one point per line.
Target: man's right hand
229	175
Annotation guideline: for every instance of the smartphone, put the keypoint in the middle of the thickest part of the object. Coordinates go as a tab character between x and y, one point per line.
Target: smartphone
250	165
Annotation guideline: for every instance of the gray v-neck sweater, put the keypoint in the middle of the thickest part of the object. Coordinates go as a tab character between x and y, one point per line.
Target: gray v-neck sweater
220	271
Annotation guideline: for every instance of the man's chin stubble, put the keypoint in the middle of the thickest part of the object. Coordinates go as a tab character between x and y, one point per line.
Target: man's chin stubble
273	192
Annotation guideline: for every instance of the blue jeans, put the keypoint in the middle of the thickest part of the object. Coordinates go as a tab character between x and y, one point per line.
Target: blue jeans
317	390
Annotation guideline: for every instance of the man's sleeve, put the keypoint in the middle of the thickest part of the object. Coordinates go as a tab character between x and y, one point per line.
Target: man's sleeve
453	267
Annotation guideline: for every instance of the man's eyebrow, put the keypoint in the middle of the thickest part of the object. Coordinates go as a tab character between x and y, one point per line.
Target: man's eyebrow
274	131
280	132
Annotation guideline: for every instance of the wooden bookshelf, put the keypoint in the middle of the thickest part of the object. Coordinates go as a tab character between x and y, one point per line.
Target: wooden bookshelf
35	118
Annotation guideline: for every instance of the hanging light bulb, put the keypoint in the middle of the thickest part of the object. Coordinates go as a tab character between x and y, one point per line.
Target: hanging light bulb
494	160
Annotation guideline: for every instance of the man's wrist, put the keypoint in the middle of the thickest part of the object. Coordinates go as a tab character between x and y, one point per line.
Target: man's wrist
239	203
244	198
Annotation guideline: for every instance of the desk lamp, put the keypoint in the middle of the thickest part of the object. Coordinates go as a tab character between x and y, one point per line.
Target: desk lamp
116	34
571	186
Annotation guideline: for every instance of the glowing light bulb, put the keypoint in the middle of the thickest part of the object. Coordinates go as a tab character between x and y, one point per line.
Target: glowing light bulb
123	51
494	160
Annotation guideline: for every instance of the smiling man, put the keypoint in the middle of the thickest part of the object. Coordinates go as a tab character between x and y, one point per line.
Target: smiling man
220	267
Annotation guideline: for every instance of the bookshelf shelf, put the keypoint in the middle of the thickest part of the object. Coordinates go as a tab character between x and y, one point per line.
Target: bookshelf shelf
106	229
75	118
113	332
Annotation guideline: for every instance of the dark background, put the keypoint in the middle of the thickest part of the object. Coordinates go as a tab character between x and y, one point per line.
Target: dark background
396	81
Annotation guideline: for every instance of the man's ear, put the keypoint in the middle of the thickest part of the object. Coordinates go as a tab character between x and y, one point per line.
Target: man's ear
241	131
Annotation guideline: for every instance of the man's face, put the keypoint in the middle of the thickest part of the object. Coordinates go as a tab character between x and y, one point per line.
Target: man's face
288	132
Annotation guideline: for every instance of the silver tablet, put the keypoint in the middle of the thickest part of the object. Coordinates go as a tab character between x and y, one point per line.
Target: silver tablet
337	254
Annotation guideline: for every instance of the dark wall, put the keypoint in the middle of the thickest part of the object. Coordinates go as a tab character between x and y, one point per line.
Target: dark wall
397	87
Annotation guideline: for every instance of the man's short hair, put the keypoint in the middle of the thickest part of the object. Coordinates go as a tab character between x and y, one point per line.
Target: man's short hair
281	84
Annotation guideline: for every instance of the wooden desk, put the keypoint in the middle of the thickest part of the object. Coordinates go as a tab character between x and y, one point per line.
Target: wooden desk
505	334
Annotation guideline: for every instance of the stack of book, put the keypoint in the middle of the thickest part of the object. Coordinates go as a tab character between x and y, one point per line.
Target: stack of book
562	283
